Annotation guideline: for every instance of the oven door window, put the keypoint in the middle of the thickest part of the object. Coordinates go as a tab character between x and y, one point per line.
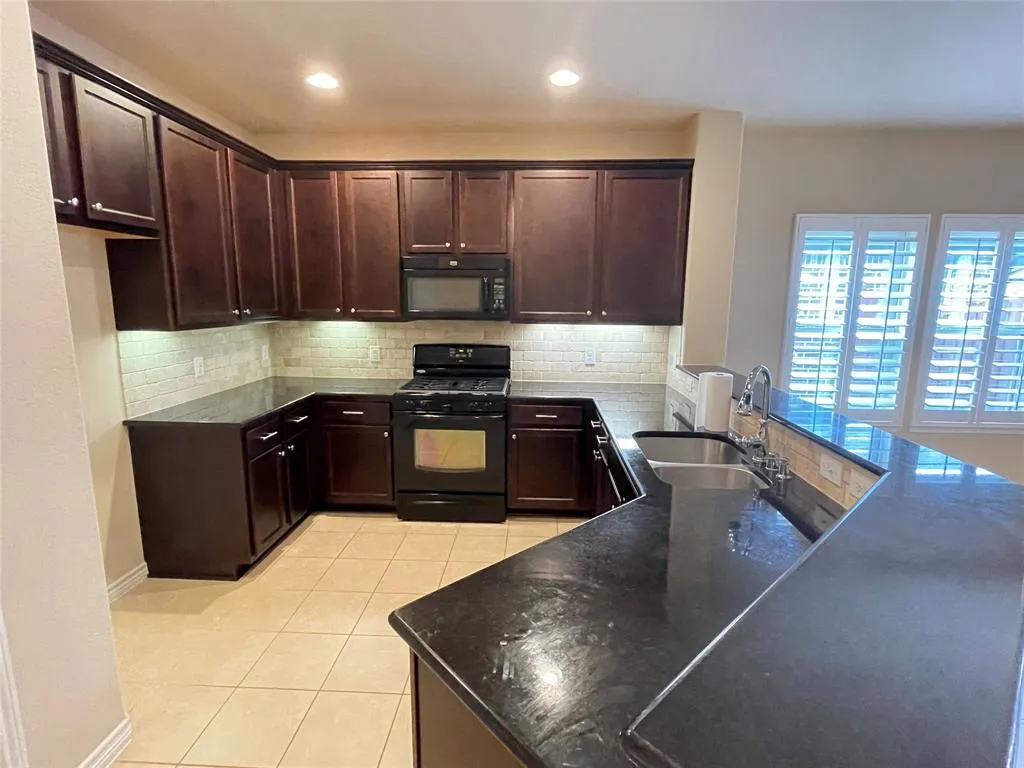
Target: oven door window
445	294
450	450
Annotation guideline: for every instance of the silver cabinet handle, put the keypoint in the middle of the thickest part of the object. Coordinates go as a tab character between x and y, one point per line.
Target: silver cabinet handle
97	206
386	434
248	311
589	313
545	415
462	245
268	435
234	312
595	424
515	436
352	311
73	202
297	419
353	413
602	440
291	447
337	310
603	313
58	201
281	454
447	245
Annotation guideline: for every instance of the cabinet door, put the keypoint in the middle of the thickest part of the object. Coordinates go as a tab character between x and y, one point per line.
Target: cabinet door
252	223
300	494
545	469
312	209
483	211
428	221
358	464
642	261
553	253
119	169
61	144
267	500
370	244
198	228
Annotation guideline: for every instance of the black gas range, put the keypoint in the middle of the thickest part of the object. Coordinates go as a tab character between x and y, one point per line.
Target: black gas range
449	442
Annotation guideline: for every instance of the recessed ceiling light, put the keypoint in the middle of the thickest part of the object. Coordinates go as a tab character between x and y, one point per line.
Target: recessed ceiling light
564	78
322	80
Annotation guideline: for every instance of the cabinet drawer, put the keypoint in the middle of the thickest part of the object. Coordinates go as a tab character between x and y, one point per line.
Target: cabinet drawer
355	412
263	437
522	415
297	419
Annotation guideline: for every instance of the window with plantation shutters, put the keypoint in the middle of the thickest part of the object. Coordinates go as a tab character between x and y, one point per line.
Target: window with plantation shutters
851	312
973	368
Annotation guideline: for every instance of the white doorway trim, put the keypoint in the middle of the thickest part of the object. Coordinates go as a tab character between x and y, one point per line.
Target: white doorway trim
13	750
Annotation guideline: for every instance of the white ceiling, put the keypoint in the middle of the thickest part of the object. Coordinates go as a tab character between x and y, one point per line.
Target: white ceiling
483	65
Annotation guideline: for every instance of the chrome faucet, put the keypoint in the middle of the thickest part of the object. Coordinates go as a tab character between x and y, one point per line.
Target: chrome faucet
745	407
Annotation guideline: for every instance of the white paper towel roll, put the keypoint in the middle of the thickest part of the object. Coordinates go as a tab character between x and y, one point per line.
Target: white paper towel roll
714	401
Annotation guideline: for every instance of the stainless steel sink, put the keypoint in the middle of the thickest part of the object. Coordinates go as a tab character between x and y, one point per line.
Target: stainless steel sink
710	477
686	448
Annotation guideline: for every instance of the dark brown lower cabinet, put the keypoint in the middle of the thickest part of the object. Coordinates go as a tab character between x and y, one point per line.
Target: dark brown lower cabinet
268	500
356	444
546	469
300	489
446	734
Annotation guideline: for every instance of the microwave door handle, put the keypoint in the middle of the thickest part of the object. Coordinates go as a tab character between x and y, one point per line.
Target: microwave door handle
485	294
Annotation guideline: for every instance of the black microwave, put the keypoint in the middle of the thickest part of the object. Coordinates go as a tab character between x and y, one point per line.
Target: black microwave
455	287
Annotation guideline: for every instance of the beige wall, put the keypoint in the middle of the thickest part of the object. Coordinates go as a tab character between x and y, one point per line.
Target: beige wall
99	377
709	257
52	591
787	171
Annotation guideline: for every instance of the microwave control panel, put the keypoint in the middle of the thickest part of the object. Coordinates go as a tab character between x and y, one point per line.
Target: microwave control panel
498	294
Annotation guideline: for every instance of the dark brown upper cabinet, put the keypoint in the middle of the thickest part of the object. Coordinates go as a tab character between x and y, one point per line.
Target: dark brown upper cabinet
642	254
428	215
483	211
61	139
198	227
120	180
554	243
370	244
312	213
252	217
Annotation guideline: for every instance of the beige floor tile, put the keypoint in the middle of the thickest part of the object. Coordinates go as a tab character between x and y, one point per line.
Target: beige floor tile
122	764
319	544
568	525
253	728
398	751
483	529
343	730
519	543
329	612
532	526
454	571
374	620
351	575
338	523
297	661
295	572
419	576
370	664
478	549
373	546
189	656
425	546
253	606
385	524
167	719
431	527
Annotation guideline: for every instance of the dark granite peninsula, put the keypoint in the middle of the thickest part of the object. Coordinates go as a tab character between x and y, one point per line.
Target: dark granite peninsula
653	636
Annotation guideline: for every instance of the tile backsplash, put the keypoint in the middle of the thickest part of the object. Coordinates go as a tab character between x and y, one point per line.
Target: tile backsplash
157	368
539	352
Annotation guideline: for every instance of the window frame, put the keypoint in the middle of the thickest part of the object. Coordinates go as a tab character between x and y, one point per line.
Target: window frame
861	225
977	419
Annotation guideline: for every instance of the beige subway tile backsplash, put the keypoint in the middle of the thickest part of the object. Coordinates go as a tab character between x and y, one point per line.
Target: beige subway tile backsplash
539	352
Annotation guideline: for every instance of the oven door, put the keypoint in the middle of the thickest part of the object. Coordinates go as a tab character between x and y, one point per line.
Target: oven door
449	294
449	453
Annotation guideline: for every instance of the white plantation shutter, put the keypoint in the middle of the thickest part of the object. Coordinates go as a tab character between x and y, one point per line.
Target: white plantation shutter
974	350
851	313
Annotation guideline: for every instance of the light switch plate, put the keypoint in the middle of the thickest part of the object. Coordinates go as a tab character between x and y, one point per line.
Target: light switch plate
265	353
589	357
830	469
199	364
374	354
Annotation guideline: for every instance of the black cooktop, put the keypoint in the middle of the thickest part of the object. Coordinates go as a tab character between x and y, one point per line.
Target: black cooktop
491	385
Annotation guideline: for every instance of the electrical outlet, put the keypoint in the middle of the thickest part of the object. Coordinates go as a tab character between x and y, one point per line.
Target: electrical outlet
199	364
265	353
374	354
589	357
830	469
860	483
